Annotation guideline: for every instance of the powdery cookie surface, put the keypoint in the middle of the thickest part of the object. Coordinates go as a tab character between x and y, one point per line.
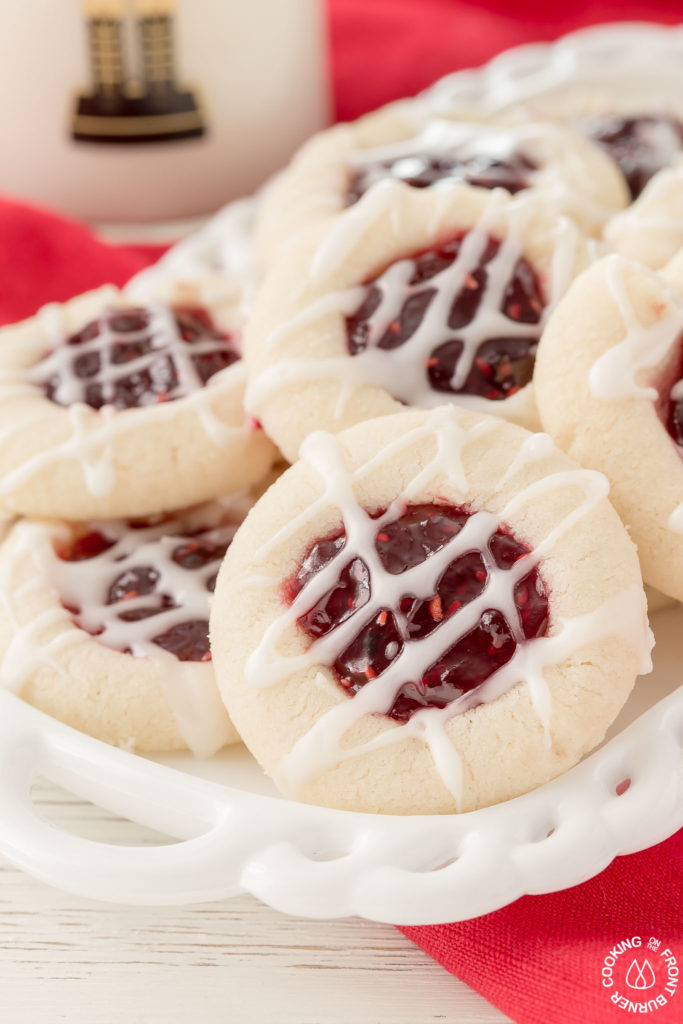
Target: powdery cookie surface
651	229
533	718
75	461
607	365
302	376
78	633
402	142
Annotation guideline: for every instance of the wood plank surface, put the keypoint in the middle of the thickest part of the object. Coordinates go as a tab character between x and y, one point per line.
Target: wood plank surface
64	959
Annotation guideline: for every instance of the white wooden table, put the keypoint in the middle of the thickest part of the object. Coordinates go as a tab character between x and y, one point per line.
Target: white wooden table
64	959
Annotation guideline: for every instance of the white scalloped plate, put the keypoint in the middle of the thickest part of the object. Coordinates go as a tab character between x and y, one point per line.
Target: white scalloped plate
317	862
233	833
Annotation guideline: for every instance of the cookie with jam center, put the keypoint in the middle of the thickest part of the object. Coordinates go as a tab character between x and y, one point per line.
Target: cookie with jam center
429	612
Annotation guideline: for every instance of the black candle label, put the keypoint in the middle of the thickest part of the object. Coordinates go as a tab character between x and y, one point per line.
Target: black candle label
134	96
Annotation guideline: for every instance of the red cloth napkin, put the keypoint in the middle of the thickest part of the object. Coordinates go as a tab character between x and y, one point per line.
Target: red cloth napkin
385	49
47	258
540	960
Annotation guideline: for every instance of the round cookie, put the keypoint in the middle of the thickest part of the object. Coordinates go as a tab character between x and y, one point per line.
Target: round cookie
430	612
402	142
108	410
607	378
413	296
104	625
651	229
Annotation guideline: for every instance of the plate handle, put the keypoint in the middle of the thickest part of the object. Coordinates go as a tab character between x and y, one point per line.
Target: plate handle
199	863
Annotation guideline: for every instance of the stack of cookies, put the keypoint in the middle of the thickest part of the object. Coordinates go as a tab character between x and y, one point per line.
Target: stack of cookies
465	332
126	450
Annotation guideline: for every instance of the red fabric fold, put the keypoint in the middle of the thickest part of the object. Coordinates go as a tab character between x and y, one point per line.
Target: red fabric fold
46	258
542	959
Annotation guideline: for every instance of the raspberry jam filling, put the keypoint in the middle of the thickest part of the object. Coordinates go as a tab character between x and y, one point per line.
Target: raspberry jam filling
670	401
413	310
402	544
640	145
129	358
133	576
424	169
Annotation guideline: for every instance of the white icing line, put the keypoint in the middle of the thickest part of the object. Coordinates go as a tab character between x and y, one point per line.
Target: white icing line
347	231
533	449
189	687
675	520
345	302
613	375
402	371
161	331
658	141
440	136
94	431
320	748
488	321
27	650
559	177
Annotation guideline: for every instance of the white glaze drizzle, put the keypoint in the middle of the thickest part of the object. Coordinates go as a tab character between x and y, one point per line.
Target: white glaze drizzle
93	432
86	583
614	375
189	687
27	649
349	376
658	141
534	448
357	220
160	330
560	172
439	137
471	139
320	748
402	371
675	520
631	71
488	321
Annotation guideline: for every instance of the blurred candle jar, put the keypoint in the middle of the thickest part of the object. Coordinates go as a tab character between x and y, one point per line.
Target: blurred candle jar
139	110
